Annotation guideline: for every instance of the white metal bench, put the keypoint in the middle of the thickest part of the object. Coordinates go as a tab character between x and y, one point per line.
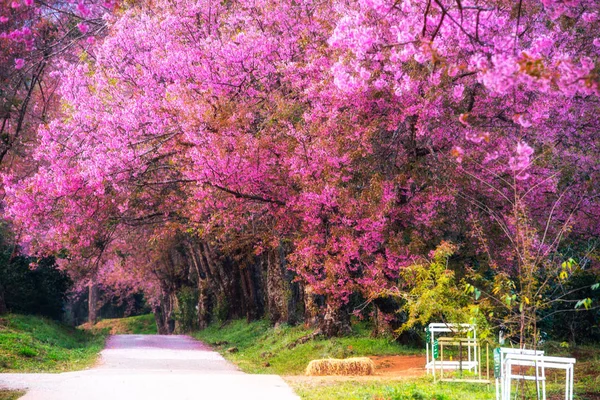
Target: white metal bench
459	336
535	359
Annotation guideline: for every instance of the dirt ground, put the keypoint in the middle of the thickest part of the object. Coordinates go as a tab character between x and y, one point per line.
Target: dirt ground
386	368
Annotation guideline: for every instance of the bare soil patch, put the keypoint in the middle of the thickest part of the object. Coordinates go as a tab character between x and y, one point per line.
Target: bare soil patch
401	366
386	368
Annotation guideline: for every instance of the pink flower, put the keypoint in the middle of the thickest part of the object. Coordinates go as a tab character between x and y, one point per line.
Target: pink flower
474	137
463	119
83	28
521	161
521	120
91	40
15	4
457	92
524	150
83	10
458	153
491	156
589	17
28	3
3	19
19	63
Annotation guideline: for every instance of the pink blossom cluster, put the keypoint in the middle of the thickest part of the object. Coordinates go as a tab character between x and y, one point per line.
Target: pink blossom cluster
362	133
521	160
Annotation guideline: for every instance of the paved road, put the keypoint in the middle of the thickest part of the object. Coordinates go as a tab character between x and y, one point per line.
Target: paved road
152	367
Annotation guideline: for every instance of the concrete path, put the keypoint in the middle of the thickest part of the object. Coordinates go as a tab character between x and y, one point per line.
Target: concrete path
152	367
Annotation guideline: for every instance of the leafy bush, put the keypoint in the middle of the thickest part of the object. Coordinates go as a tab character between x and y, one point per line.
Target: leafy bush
187	315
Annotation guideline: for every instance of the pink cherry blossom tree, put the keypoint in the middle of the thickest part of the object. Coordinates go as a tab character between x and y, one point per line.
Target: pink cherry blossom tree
355	136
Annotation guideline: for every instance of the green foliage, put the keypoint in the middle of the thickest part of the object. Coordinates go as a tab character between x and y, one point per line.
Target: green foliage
34	344
222	308
142	324
29	285
259	343
27	352
576	317
139	325
40	290
433	294
186	315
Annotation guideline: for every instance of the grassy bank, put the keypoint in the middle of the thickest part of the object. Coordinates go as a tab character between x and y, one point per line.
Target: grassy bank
10	394
261	348
416	389
35	344
140	325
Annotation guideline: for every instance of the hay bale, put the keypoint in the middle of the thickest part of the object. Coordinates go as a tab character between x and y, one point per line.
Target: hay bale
348	366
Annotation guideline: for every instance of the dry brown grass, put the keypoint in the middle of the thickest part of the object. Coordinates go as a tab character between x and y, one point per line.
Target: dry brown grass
348	366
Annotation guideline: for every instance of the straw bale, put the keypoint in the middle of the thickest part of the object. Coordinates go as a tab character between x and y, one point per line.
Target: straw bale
348	366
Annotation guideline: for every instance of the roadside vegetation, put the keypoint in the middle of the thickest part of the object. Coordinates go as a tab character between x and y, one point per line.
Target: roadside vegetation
418	389
259	348
35	344
139	325
10	394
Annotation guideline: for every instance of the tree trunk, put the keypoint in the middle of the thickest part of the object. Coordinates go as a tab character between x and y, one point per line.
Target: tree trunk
161	326
92	302
311	307
295	304
203	304
203	289
3	309
336	321
221	282
249	294
381	326
277	289
163	315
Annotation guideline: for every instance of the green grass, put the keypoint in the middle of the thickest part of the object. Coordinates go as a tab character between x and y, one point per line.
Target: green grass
587	368
264	349
10	394
418	389
140	325
35	344
422	388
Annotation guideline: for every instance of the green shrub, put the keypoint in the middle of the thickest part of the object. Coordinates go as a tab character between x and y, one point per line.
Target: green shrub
27	352
187	315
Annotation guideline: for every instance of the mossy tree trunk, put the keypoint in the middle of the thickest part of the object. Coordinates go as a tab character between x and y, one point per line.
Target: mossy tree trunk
92	302
336	320
278	289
